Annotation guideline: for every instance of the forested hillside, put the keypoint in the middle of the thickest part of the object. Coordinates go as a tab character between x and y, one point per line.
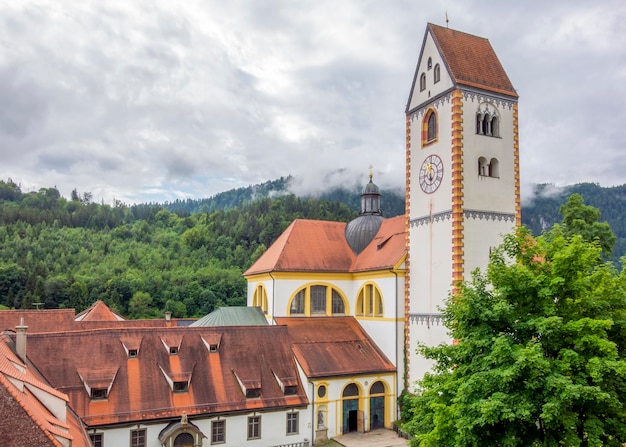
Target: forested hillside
141	260
391	204
188	256
543	211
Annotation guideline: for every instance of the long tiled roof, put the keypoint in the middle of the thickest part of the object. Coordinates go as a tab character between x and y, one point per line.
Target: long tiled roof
471	60
320	246
334	346
27	421
141	386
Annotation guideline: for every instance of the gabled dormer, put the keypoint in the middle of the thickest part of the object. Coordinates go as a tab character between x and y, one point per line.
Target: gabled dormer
172	343
250	384
212	342
178	381
98	381
288	385
131	346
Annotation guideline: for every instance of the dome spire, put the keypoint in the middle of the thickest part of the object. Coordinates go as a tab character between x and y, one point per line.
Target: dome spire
370	198
361	231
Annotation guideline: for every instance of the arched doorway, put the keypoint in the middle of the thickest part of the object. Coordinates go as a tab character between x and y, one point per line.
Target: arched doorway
350	405
377	405
184	440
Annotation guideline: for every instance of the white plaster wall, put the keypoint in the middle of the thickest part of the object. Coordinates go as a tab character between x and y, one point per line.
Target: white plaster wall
480	192
432	335
429	50
273	430
430	246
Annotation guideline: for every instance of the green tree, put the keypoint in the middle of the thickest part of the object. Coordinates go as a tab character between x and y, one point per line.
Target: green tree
539	352
582	219
139	305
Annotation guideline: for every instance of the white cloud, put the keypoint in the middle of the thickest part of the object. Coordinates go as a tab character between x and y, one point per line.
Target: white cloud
156	100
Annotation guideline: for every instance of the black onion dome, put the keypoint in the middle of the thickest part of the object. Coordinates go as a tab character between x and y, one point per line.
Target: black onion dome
361	231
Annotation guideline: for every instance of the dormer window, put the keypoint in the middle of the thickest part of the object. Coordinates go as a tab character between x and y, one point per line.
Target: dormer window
253	393
180	387
172	343
132	353
99	393
291	390
212	342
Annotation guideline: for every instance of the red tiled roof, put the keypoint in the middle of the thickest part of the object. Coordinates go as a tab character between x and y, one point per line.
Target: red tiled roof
321	246
471	60
386	249
48	320
307	245
140	389
334	346
27	421
99	312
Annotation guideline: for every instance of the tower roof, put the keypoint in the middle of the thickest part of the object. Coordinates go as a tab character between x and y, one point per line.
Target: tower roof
471	60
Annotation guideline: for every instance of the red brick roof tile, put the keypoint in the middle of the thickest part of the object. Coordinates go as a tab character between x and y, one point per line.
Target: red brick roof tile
31	423
141	391
471	60
321	246
334	346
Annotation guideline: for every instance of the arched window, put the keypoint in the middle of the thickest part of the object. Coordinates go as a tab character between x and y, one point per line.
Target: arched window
487	120
494	168
483	168
479	123
318	299
377	388
432	127
337	303
260	298
486	129
495	126
423	82
350	390
369	301
297	304
430	63
437	74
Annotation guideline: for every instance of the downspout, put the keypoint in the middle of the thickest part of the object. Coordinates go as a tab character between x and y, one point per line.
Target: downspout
312	413
396	344
273	297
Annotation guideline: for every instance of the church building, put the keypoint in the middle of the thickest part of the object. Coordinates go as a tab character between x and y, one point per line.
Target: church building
393	275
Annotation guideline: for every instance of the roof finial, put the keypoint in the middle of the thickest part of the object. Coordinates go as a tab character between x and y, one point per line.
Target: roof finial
371	174
447	18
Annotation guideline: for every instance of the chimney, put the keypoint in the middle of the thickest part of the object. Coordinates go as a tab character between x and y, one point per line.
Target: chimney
168	316
20	340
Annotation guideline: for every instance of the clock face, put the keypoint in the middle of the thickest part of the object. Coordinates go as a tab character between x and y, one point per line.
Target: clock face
431	174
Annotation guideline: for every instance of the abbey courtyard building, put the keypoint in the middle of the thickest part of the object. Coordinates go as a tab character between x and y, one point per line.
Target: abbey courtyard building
335	310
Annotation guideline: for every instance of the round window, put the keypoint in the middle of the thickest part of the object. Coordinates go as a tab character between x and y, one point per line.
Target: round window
321	391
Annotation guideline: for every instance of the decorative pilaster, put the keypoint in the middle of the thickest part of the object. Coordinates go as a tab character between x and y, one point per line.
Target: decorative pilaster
518	202
407	278
457	189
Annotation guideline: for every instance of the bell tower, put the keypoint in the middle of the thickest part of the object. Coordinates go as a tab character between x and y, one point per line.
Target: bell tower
462	176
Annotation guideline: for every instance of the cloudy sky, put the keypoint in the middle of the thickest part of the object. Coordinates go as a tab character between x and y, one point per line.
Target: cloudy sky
147	100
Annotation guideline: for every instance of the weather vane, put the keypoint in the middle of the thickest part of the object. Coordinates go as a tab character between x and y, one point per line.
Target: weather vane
447	18
371	173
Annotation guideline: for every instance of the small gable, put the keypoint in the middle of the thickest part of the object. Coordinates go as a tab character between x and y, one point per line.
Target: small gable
98	382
